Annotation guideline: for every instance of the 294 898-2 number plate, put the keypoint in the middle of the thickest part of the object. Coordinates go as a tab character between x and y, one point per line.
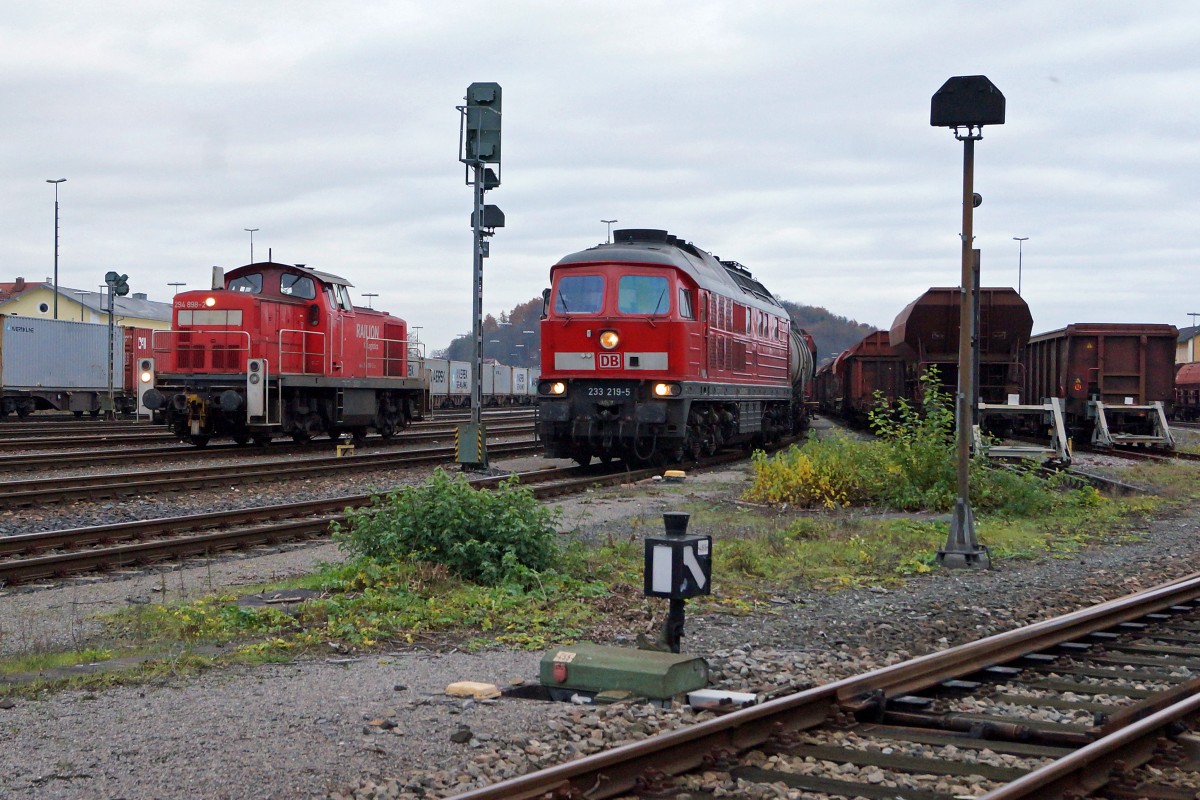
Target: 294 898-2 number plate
614	392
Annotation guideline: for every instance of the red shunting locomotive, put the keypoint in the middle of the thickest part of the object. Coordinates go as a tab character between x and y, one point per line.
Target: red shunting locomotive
280	349
654	350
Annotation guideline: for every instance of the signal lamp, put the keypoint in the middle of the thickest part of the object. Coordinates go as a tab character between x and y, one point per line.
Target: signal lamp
210	301
147	376
609	339
666	389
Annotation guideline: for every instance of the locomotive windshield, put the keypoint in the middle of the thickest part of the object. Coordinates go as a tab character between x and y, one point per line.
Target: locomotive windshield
300	286
251	284
643	295
580	294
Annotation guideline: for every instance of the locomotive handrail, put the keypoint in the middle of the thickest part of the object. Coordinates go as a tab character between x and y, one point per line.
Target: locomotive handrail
327	356
156	348
405	345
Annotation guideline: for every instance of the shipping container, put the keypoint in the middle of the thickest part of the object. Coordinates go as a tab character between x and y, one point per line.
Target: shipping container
58	364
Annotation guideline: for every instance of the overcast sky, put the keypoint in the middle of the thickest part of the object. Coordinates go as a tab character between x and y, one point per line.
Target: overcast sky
793	137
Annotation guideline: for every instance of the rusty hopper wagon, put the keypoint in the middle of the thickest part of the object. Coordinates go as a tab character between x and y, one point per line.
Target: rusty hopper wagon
1116	380
925	334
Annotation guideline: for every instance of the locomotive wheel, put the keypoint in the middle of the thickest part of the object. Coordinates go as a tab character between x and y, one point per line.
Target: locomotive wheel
199	440
300	437
261	439
387	430
241	438
582	459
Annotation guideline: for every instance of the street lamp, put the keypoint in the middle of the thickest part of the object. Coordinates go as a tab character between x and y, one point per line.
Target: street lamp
370	295
56	182
609	223
1020	240
251	232
175	285
81	293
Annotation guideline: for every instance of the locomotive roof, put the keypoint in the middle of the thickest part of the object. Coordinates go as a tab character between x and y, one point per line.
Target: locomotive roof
650	246
259	265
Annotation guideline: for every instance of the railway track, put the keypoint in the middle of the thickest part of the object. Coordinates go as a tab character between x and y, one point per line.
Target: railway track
1100	700
54	554
421	432
44	491
41	436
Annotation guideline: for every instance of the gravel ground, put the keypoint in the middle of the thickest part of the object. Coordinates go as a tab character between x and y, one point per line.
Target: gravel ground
381	726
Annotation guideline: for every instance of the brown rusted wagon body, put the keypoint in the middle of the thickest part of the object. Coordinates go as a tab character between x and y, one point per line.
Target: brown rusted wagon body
925	334
1116	380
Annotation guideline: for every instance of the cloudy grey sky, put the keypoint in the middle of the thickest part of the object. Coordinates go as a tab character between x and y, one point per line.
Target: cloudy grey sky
791	136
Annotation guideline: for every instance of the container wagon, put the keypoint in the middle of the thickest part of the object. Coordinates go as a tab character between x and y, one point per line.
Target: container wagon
61	365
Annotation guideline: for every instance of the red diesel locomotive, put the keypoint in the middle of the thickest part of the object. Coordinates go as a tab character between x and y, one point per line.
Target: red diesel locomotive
655	350
280	349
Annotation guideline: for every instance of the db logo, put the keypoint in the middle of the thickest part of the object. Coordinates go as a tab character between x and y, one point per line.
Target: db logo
1078	385
609	360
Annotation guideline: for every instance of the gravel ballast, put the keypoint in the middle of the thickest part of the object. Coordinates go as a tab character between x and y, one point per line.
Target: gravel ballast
381	726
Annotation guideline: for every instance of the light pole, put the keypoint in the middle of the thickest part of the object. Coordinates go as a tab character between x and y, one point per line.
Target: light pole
370	295
1020	240
175	285
56	182
609	223
251	232
81	293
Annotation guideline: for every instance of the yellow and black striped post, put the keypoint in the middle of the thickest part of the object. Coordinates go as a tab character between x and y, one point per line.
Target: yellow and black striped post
470	446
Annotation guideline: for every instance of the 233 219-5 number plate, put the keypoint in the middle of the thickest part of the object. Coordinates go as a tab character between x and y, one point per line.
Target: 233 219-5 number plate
614	392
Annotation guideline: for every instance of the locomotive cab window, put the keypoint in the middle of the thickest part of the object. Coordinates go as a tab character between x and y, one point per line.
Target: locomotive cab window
579	294
685	304
643	295
250	284
301	286
344	302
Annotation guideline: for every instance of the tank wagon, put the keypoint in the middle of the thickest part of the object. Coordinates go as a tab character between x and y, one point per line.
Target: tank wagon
868	374
280	349
655	350
925	334
1116	380
62	365
1187	392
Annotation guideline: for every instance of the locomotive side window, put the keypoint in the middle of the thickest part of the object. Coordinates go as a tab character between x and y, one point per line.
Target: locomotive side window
643	295
685	304
579	294
251	284
344	301
300	286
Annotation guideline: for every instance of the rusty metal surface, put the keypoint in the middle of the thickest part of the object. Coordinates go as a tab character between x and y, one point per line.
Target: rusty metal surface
927	329
1115	363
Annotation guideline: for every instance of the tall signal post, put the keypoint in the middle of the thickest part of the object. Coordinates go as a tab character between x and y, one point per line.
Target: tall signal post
965	104
478	146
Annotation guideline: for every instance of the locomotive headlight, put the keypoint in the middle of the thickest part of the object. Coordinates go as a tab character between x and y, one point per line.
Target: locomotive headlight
609	339
210	301
666	389
557	387
147	376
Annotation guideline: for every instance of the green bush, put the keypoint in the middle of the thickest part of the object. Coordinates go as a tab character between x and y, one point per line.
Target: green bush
486	537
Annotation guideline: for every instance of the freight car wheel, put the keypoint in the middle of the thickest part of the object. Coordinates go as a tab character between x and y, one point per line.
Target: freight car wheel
261	439
241	438
199	440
